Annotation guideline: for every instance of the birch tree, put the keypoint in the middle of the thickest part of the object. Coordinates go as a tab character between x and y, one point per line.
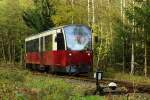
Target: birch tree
132	41
124	36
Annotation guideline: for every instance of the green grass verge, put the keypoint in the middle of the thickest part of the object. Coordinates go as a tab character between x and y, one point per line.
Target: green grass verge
132	78
111	73
19	84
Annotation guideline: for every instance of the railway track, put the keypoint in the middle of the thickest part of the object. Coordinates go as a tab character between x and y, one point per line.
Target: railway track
128	87
132	87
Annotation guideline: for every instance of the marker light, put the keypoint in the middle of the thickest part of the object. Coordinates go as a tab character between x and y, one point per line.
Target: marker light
58	30
70	54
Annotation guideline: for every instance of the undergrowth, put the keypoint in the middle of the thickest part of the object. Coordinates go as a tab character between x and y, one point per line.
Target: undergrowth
17	83
118	75
20	84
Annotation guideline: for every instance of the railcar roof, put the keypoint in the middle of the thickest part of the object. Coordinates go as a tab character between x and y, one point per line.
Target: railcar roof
51	29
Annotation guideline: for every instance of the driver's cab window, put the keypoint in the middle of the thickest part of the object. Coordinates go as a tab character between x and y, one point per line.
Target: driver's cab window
60	41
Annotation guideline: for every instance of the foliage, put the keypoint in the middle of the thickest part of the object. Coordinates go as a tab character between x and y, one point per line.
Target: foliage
12	30
10	80
48	89
113	30
133	29
13	76
137	79
63	13
141	15
7	90
39	17
23	85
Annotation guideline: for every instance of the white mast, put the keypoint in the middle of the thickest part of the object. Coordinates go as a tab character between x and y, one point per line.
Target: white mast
72	4
93	12
89	12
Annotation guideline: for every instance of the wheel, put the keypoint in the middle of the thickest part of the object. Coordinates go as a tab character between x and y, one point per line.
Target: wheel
41	68
34	67
70	70
51	70
29	67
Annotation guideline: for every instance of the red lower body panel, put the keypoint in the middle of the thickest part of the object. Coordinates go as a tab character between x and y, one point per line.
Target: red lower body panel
62	58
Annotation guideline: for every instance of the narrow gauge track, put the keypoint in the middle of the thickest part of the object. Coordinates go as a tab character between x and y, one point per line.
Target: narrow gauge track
130	87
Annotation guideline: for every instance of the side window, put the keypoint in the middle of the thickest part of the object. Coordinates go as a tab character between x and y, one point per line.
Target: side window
48	42
60	41
32	46
28	46
41	43
36	45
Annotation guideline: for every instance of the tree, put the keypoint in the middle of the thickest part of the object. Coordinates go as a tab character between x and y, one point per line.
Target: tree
12	30
39	17
64	13
140	15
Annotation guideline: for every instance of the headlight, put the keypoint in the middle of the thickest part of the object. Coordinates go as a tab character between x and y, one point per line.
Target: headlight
70	54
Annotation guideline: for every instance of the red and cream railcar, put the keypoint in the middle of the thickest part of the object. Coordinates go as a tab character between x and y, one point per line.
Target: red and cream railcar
62	49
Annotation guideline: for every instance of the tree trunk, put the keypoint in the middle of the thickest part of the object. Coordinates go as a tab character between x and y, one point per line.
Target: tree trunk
100	38
21	56
132	59
3	51
132	37
72	5
110	30
14	52
145	54
88	12
93	12
124	38
9	52
145	47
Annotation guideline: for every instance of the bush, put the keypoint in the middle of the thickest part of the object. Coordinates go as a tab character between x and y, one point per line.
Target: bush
7	90
13	75
109	72
19	84
50	88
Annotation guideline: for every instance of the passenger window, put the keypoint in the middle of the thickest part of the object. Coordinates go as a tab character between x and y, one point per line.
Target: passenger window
32	45
48	42
36	45
60	41
28	46
41	44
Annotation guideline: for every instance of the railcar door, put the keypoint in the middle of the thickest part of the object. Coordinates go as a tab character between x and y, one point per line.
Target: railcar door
60	53
41	50
54	42
60	41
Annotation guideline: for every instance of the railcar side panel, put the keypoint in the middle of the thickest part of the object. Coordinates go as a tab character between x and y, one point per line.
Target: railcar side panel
54	58
32	58
60	58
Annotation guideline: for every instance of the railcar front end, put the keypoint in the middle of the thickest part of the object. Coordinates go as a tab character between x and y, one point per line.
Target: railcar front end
79	48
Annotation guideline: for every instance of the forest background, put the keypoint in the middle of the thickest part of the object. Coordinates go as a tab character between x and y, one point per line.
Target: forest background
120	27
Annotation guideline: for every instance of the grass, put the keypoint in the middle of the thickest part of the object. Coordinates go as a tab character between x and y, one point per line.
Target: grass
132	78
111	73
46	88
20	84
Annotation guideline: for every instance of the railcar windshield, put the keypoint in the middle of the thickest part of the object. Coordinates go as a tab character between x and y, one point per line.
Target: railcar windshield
78	37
